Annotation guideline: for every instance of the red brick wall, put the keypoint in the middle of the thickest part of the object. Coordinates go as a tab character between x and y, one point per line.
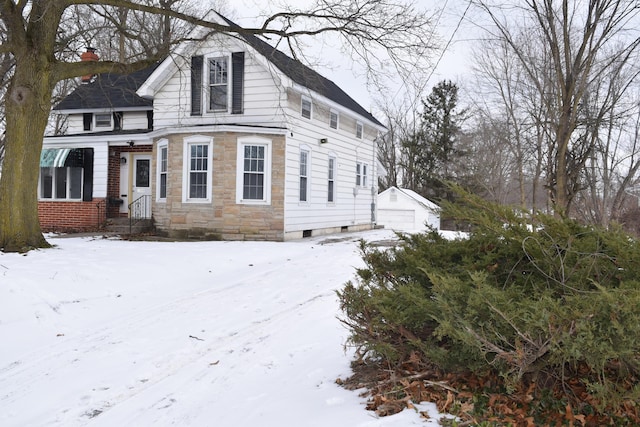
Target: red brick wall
71	216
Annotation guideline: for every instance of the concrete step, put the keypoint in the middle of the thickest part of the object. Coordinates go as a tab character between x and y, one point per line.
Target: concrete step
122	226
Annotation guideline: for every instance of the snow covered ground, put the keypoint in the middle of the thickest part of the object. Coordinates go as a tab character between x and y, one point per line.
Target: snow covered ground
104	332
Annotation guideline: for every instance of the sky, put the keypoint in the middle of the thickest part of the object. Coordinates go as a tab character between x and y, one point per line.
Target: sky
105	332
455	24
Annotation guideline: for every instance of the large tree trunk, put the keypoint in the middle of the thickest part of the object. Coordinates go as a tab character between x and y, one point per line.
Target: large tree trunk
28	103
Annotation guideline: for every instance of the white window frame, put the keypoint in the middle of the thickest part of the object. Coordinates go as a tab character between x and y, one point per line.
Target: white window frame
306	101
186	176
56	171
210	85
102	123
304	174
240	171
364	175
359	130
333	113
361	174
163	144
331	179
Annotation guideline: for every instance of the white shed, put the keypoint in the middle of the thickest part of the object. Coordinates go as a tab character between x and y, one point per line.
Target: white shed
405	210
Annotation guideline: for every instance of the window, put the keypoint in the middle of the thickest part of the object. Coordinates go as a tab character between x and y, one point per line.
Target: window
103	120
253	181
361	174
253	172
163	158
333	119
359	130
304	175
61	183
197	169
306	107
331	180
218	79
364	175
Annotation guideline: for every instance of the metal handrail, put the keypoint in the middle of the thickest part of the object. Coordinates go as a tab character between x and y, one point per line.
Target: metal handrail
100	205
138	210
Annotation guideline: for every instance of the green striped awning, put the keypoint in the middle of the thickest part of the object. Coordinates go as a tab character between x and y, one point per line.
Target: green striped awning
54	157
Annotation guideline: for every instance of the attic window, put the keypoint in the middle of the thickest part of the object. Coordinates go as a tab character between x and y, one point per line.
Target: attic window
359	130
333	119
306	107
103	120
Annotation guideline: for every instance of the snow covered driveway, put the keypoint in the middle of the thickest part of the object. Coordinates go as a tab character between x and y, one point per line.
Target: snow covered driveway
103	332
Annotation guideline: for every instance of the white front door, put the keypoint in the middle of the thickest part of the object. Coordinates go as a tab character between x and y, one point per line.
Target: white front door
141	199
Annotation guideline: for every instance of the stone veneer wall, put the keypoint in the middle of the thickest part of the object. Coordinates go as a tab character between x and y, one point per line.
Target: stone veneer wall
222	218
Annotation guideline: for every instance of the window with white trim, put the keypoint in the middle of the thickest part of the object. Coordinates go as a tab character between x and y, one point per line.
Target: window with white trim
61	183
333	119
306	107
103	120
253	181
197	169
304	175
218	84
359	130
361	174
163	162
331	189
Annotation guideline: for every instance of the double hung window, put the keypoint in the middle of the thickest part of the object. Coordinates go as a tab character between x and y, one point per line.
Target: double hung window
304	175
218	84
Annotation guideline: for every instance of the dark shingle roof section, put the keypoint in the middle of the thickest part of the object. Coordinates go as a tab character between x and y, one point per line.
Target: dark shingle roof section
301	74
109	90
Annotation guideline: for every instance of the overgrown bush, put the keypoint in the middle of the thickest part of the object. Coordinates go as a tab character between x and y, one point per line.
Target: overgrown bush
542	303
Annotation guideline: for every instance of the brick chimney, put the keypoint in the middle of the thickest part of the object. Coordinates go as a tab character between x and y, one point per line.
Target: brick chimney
89	55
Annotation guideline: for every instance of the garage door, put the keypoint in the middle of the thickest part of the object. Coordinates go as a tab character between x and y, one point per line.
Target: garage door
397	219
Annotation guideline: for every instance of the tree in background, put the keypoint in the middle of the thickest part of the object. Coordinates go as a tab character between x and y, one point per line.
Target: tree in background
437	145
37	33
563	47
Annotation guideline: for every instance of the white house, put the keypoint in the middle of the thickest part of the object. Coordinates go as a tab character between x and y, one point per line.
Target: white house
226	137
405	210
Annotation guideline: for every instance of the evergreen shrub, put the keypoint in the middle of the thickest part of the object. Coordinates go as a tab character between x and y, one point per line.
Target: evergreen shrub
542	302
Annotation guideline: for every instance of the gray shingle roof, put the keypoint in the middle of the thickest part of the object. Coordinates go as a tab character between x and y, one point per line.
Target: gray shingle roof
109	90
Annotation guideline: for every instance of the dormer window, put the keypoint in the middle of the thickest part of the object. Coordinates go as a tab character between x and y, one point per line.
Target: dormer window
306	107
218	84
103	120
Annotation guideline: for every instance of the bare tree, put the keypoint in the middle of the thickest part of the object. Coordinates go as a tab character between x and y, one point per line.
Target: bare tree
35	34
573	39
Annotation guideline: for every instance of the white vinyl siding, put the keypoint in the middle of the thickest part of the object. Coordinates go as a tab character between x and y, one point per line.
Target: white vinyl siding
263	100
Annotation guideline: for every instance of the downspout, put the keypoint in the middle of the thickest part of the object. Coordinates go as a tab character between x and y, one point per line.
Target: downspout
374	181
